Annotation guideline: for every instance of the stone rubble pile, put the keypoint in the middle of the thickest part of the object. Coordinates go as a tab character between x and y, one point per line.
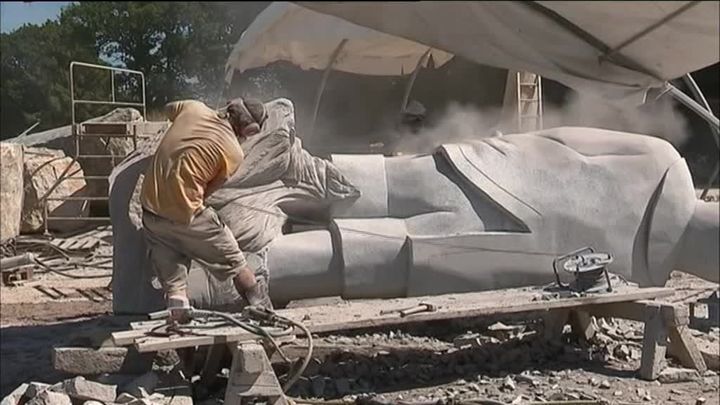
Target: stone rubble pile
151	388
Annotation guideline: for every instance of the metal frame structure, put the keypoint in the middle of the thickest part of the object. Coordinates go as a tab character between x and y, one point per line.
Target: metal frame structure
103	130
112	85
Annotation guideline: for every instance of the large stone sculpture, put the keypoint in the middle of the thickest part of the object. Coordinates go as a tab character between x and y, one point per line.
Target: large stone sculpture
487	214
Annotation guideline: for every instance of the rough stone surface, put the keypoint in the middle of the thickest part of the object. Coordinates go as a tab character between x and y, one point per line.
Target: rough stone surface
11	189
124	398
41	170
80	388
14	397
89	361
48	397
672	375
35	388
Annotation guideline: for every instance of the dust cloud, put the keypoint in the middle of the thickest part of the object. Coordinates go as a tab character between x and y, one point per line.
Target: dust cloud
461	123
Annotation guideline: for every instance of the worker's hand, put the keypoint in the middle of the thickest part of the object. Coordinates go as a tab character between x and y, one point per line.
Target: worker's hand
179	309
258	295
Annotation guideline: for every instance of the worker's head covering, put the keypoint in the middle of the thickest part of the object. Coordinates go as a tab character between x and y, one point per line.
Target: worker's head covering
246	116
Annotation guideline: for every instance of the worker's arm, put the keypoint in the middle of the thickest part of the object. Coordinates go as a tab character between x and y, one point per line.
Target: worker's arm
173	109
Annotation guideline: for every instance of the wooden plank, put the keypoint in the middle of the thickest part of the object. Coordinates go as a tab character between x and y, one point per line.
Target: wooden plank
366	314
682	346
654	343
106	128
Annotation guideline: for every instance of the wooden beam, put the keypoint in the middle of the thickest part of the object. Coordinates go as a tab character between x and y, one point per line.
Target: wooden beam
654	343
367	314
682	346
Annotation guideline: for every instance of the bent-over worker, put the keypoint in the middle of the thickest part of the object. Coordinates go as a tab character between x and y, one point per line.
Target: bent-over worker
198	154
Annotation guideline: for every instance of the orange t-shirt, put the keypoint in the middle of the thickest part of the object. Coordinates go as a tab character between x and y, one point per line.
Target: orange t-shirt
198	153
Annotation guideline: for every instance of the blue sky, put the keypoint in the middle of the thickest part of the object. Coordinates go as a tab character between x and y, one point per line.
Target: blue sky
13	14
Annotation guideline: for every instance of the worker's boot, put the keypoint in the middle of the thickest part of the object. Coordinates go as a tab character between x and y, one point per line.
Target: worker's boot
259	295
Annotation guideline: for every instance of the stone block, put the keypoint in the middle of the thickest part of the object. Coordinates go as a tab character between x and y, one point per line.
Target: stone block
89	361
42	170
48	397
82	389
11	189
672	375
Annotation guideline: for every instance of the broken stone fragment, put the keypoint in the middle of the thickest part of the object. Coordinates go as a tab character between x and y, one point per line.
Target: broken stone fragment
672	375
82	389
14	397
48	397
35	388
508	384
124	398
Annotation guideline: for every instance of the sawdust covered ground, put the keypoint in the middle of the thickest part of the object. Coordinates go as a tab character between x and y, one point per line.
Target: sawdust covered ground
433	368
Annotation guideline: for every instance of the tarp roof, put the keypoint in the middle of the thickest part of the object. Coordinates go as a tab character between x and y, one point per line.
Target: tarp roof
286	32
618	49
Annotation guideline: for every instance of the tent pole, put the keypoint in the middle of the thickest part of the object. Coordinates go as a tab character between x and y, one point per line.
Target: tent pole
321	88
700	98
411	82
688	102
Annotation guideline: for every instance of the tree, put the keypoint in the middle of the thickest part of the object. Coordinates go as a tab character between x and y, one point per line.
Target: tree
34	68
181	47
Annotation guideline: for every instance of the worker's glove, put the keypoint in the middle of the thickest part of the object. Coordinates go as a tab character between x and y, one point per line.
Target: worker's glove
259	295
179	309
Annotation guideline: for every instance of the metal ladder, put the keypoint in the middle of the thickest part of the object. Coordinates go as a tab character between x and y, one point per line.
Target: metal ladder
529	102
103	130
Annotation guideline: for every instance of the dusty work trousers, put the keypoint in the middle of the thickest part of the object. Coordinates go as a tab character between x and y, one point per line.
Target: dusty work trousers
206	239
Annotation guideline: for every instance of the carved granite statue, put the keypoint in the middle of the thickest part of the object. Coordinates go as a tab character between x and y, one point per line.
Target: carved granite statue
487	214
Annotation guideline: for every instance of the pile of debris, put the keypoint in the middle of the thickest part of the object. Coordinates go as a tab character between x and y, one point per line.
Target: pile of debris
151	388
85	255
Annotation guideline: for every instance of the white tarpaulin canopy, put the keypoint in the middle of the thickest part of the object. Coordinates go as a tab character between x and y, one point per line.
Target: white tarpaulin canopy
286	32
618	49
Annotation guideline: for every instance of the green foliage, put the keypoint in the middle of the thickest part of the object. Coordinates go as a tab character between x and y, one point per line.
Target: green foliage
181	47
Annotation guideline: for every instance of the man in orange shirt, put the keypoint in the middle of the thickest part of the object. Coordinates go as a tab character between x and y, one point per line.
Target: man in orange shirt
198	154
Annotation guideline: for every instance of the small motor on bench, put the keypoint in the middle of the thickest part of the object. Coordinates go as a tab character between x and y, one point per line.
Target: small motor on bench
589	269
